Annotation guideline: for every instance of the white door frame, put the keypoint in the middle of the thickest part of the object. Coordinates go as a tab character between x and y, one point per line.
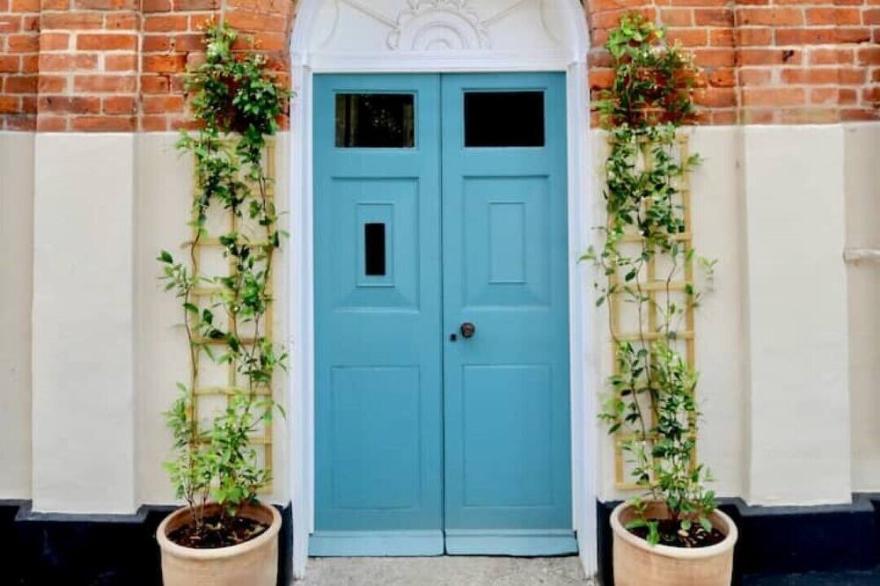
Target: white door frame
300	394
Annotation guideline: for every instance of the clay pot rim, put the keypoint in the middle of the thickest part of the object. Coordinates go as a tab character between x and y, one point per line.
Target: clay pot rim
231	551
680	553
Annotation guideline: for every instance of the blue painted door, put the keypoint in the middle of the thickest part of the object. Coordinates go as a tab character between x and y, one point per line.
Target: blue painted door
378	374
505	270
441	326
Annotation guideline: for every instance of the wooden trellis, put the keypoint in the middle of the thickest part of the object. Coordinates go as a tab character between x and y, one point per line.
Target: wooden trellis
206	392
654	289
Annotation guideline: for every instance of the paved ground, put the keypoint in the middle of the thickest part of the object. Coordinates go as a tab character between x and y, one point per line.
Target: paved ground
445	571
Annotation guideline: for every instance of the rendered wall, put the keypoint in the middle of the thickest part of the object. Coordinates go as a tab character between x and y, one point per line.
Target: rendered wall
16	266
164	192
787	343
862	154
736	430
776	414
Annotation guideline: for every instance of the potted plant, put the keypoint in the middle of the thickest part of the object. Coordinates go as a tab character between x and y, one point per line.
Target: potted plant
224	535
673	534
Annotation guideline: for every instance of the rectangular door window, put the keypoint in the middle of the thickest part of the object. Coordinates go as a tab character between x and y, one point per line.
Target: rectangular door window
504	119
374	249
375	120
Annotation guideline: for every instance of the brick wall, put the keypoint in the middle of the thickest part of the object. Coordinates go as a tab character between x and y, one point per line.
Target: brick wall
767	61
117	65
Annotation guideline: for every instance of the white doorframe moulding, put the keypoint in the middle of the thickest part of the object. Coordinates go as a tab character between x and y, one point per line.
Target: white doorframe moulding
410	36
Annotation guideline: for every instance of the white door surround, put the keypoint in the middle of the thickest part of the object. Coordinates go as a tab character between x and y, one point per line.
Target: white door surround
359	36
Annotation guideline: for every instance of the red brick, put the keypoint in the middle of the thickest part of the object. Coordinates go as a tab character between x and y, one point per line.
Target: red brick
154	84
154	123
753	36
162	104
66	21
106	4
721	37
833	16
812	76
713	17
770	16
165	23
689	37
66	62
869	56
23	43
192	5
9	105
120	105
250	21
716	97
104	123
157	43
21	84
120	62
754	76
104	83
9	64
824	96
722	78
156	5
773	96
51	123
52	84
54	41
677	16
806	36
122	21
25	5
853	35
601	78
715	57
70	105
821	56
104	42
164	63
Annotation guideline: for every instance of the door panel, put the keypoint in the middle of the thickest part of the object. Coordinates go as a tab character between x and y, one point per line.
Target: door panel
507	457
378	372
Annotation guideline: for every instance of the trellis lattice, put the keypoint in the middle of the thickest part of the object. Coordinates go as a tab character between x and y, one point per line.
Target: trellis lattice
214	382
625	326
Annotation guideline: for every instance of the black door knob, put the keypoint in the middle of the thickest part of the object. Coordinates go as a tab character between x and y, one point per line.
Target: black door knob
468	330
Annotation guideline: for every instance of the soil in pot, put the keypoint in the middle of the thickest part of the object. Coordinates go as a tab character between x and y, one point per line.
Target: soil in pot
670	535
217	531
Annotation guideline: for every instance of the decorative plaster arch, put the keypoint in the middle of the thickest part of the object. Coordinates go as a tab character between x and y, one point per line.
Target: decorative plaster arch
435	36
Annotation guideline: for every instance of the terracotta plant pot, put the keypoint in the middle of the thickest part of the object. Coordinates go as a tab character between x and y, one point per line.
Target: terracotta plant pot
638	564
252	563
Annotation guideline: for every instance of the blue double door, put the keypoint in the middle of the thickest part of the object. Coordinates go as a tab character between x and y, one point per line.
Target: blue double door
441	298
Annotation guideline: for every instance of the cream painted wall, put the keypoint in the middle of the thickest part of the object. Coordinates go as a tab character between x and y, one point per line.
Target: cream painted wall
83	312
164	192
16	278
720	347
796	311
107	353
862	154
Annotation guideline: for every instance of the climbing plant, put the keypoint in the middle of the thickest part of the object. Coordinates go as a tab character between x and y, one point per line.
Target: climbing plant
641	262
235	105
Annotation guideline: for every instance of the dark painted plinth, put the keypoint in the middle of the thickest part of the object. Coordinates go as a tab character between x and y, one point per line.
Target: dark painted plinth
777	544
94	550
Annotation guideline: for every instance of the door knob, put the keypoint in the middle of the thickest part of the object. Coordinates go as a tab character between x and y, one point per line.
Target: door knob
468	330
